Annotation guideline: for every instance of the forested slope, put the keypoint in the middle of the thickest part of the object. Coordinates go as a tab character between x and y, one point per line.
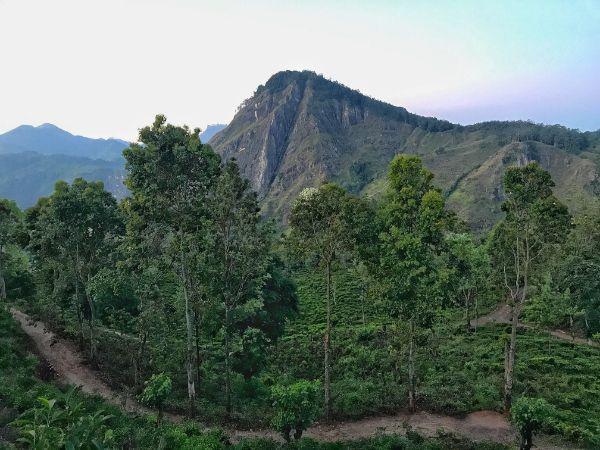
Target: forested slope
299	130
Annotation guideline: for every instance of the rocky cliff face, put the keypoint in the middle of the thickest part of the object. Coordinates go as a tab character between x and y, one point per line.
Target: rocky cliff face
299	130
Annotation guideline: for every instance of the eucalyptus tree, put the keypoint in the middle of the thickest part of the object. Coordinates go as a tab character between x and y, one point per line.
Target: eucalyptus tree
408	266
536	223
236	258
11	219
321	229
170	174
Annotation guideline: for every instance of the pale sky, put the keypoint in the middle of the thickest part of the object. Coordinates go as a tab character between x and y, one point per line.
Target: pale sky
107	67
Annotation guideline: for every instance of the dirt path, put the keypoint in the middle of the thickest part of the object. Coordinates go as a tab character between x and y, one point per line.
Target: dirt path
67	363
502	315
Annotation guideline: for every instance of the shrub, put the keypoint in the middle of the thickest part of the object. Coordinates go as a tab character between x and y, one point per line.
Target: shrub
296	407
531	415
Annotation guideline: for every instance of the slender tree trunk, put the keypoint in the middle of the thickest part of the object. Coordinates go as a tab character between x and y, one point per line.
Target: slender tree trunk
2	281
509	359
227	365
190	339
78	308
476	314
327	345
138	362
2	286
411	367
93	352
198	362
362	303
526	440
467	318
298	431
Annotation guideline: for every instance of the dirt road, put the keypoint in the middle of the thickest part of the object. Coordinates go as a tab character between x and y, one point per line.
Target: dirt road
68	364
502	315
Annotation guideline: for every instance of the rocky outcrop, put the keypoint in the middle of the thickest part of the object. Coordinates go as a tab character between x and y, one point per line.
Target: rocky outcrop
299	130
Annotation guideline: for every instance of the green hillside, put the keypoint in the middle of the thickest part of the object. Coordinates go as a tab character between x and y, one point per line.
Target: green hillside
300	129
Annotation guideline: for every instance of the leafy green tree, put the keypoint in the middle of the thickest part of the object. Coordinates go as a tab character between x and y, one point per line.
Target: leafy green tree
536	223
73	232
409	268
296	407
170	174
578	269
236	260
320	229
470	270
11	220
550	308
157	389
529	416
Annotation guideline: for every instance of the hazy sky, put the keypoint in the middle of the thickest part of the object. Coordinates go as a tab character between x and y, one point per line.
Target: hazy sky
105	68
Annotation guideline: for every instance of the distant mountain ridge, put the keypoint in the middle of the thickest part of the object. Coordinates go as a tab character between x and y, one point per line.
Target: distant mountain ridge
48	139
24	177
210	131
300	129
32	159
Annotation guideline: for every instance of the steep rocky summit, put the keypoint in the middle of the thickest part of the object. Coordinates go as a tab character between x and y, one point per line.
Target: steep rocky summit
300	130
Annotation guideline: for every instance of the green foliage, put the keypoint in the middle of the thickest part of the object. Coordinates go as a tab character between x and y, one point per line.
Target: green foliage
296	407
157	389
370	302
549	308
63	422
413	218
530	415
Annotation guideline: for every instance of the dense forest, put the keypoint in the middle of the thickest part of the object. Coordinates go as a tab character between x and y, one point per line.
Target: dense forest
224	329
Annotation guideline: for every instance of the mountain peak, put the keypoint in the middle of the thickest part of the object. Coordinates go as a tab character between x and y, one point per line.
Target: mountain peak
49	126
301	129
48	139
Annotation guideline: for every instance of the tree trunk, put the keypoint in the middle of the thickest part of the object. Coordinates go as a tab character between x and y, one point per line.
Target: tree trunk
227	366
190	339
411	368
509	359
138	362
2	281
197	334
526	440
298	431
467	305
2	286
327	346
90	303
476	314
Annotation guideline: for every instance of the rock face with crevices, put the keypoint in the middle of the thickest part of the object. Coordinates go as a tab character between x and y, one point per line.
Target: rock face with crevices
300	130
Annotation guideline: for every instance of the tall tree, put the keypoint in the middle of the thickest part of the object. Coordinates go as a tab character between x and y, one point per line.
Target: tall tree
11	219
236	260
73	231
408	266
170	174
578	268
320	223
470	270
535	223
